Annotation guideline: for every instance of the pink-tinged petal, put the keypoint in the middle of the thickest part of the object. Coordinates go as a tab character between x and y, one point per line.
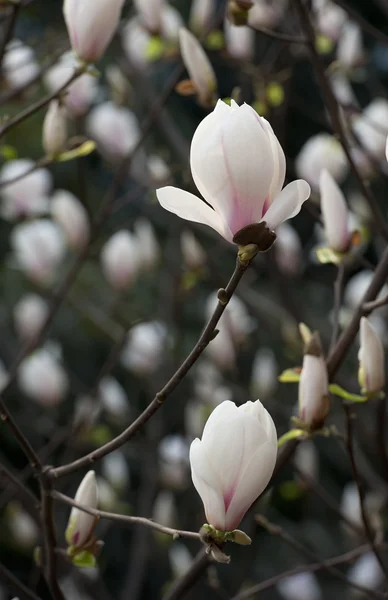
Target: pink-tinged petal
372	358
207	484
190	207
334	213
287	204
252	482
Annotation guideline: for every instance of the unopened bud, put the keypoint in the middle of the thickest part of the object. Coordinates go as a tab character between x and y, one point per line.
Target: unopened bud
371	372
81	524
55	129
314	399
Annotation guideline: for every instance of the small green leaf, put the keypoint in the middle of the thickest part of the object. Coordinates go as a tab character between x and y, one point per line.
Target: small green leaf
8	152
260	107
324	44
215	40
290	490
337	390
83	150
275	93
155	48
290	375
293	434
326	255
84	559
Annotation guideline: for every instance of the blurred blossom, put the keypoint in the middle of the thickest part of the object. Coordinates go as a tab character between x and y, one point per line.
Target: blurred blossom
23	529
371	127
115	469
19	64
91	25
371	373
265	370
356	289
158	169
193	254
302	586
266	14
306	459
252	193
334	213
342	88
86	412
81	524
115	130
119	260
240	41
350	51
201	14
236	318
288	250
350	504
321	151
164	510
80	94
330	20
180	559
113	398
173	461
199	68
222	350
29	314
367	572
43	379
150	14
29	195
145	348
68	212
55	130
39	248
106	495
148	250
206	379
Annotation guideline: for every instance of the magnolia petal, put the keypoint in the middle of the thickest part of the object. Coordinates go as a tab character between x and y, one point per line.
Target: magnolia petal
279	161
262	414
371	356
334	212
190	207
287	204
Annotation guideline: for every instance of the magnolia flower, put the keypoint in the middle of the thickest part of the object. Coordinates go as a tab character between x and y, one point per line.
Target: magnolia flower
201	13
150	14
113	397
193	254
302	586
68	212
91	25
288	250
119	260
29	315
80	526
264	373
349	49
115	129
313	386
238	166
367	572
322	151
371	127
39	249
144	350
371	372
239	41
334	213
43	379
28	196
198	66
20	66
54	135
79	94
230	476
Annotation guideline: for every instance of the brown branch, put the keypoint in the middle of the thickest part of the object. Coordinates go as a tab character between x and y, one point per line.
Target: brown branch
369	307
338	289
14	11
49	539
28	496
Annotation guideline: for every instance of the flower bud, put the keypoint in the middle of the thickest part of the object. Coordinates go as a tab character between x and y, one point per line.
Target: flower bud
334	213
199	68
119	260
68	212
29	315
367	572
143	352
193	254
29	195
302	586
229	477
42	378
349	50
371	372
91	25
80	526
150	14
201	13
321	151
39	249
314	401
54	136
371	127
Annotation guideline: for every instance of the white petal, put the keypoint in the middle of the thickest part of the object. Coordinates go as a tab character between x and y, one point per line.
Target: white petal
371	357
334	212
287	204
279	161
190	207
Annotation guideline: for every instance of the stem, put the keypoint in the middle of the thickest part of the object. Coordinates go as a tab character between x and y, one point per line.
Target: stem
338	289
49	540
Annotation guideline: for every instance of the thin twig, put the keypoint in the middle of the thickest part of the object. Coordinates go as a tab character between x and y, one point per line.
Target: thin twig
19	588
125	519
25	492
49	540
369	307
185	583
338	289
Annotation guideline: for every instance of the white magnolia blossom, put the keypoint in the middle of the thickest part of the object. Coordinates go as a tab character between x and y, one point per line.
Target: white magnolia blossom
113	397
265	370
239	41
334	213
145	347
119	260
313	398
55	134
371	127
288	250
367	572
39	248
91	25
68	212
243	186
350	50
230	476
80	94
115	470
193	254
29	314
150	14
302	586
115	129
371	372
201	13
29	195
22	527
198	66
266	14
81	524
43	379
321	151
20	66
148	249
